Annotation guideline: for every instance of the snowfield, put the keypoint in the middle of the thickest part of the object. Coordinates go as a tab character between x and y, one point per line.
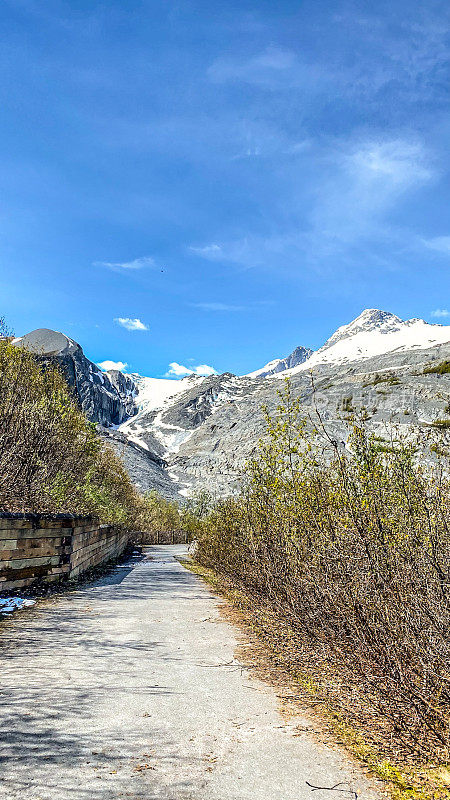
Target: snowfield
374	333
158	394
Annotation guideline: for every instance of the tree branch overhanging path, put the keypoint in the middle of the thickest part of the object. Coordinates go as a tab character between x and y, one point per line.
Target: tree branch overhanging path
107	692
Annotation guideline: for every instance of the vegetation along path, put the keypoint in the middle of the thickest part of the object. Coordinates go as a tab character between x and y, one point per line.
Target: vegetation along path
129	687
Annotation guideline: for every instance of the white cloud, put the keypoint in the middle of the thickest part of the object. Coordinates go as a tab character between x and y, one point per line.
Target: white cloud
211	251
365	180
131	324
358	182
239	251
136	263
204	369
440	312
397	162
106	365
179	371
440	243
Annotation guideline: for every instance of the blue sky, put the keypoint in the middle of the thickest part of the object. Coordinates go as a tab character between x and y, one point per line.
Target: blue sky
215	183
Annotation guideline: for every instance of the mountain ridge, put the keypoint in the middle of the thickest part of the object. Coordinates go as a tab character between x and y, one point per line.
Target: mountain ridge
197	433
297	357
372	333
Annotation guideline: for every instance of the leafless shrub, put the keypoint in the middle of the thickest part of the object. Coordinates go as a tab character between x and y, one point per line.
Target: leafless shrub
354	549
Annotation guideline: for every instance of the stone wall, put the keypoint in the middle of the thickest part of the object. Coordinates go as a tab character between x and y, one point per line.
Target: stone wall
47	548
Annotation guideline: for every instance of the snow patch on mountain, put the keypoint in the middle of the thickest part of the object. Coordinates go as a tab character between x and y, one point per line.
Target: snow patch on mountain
157	394
374	333
154	393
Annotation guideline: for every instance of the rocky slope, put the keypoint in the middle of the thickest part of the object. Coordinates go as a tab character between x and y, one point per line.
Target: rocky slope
209	428
386	389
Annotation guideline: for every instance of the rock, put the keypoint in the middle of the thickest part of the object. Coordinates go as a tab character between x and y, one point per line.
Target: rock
219	421
106	398
297	357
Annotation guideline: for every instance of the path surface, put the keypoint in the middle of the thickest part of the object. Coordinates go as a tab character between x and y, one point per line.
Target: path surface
129	688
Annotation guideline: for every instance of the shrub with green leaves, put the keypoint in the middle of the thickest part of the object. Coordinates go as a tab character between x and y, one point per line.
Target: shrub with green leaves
51	458
353	545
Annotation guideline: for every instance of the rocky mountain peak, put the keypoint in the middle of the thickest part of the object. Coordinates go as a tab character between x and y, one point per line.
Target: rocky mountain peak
297	357
45	342
370	320
373	333
107	398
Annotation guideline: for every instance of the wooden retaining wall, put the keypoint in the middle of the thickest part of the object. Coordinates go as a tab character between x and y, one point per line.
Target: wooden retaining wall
45	548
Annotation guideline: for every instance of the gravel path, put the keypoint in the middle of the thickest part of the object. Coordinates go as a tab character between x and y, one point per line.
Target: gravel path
129	688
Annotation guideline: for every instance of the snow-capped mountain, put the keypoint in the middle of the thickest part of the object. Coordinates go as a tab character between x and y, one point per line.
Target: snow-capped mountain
297	357
179	435
373	333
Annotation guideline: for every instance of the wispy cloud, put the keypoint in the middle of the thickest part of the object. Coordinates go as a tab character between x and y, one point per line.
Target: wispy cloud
440	312
358	183
179	371
251	305
218	307
107	365
399	162
367	181
245	251
439	243
259	68
212	251
131	324
275	68
136	263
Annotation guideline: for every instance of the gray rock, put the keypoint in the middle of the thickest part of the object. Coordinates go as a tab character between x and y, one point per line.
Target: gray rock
223	420
106	398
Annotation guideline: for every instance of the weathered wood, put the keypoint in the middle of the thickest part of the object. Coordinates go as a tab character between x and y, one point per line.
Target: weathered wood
40	548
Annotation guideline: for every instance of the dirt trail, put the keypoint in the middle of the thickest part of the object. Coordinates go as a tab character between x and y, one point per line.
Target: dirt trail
129	688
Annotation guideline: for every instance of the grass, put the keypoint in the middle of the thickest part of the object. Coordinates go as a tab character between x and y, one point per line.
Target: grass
438	369
403	778
347	404
389	378
441	423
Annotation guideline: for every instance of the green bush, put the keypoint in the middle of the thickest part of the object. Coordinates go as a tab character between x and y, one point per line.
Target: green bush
440	369
51	458
389	378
